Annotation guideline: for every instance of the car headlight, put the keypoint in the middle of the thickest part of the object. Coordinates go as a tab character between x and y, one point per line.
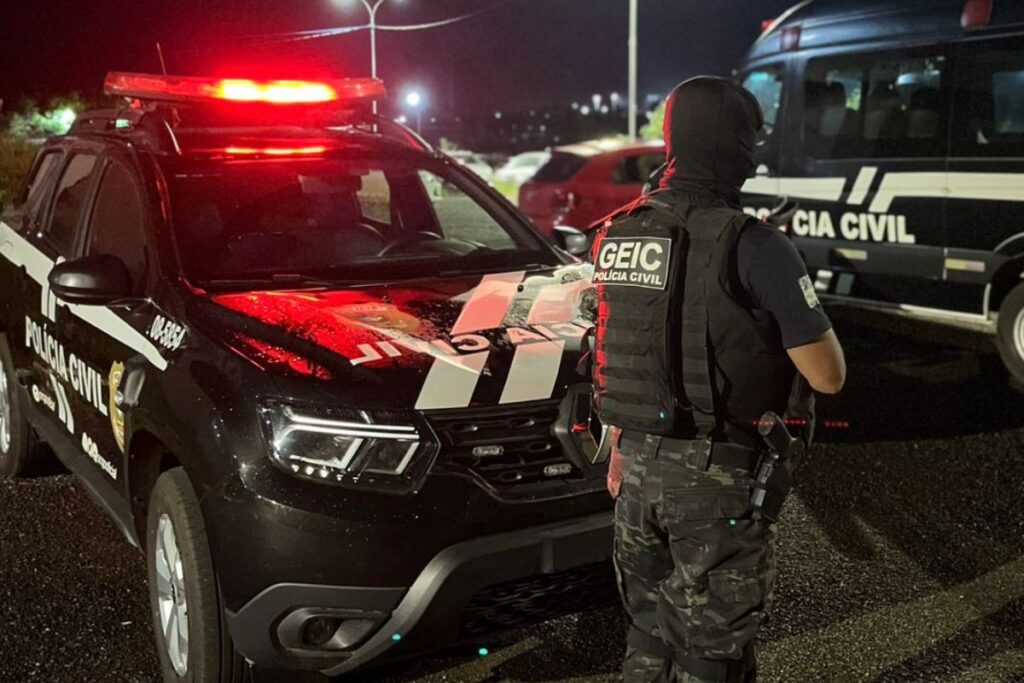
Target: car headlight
389	451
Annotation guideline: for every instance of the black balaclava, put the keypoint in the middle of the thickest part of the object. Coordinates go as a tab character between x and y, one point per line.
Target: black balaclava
711	127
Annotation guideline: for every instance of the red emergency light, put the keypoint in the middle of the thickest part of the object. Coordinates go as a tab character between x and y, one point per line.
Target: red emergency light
789	39
313	150
977	14
241	90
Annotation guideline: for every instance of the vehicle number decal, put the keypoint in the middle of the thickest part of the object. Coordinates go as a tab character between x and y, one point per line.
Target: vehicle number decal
167	333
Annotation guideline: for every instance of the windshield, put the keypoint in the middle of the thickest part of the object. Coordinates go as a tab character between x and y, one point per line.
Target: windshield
358	218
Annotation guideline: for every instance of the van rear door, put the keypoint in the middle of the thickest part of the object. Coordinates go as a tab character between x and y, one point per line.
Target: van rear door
986	178
869	172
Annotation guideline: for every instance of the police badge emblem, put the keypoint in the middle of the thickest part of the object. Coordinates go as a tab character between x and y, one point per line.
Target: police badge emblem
116	416
810	296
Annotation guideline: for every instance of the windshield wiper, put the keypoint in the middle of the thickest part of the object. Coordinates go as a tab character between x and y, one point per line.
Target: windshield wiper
276	280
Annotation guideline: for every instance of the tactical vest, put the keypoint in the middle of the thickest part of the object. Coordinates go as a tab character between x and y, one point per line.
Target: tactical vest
680	350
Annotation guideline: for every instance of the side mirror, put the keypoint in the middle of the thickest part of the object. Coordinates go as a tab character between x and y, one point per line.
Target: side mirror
570	240
91	280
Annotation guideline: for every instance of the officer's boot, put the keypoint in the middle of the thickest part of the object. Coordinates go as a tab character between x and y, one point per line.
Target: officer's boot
643	667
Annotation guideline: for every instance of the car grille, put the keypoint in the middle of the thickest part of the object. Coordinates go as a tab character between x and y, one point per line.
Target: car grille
529	601
511	452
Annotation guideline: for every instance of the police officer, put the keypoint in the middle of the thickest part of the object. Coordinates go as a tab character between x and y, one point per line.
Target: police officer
707	319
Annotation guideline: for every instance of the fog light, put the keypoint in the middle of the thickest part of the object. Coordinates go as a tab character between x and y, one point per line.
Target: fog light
559	470
336	634
318	631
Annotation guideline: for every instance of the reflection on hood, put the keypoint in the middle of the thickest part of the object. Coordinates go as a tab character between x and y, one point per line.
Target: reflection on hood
711	127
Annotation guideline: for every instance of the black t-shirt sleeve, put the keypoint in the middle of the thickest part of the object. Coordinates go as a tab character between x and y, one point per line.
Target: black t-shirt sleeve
776	278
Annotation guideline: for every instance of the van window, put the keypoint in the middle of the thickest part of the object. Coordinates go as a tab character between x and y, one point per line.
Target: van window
875	106
994	125
766	86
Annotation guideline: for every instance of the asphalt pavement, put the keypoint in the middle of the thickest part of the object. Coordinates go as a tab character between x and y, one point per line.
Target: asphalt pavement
902	552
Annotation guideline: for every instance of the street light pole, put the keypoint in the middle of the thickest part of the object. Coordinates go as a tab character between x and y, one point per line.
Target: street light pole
371	9
633	67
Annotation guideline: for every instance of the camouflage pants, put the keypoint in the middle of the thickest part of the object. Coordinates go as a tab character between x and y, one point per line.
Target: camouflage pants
695	572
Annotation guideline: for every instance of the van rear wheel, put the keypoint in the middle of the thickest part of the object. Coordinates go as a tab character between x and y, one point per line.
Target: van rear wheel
1010	332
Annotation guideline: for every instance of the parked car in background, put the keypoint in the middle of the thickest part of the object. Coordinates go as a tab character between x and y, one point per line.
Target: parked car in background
522	167
475	163
582	183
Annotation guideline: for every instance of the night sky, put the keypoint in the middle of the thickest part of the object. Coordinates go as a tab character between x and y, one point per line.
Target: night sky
520	54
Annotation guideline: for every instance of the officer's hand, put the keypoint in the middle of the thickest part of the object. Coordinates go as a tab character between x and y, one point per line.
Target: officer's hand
616	463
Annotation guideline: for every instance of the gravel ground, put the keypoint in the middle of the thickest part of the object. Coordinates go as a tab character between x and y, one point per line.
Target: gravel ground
902	553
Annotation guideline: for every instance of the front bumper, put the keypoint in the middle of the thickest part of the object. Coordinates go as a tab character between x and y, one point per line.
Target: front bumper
429	612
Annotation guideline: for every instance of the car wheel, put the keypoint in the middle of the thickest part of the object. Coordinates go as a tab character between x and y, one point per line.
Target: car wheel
1010	332
17	437
192	639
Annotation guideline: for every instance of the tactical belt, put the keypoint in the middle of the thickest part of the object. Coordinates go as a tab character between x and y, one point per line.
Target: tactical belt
698	453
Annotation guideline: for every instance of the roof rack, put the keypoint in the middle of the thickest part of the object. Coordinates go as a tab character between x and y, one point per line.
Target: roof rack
160	110
157	125
153	126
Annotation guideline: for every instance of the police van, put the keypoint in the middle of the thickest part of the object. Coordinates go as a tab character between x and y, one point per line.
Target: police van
898	127
324	377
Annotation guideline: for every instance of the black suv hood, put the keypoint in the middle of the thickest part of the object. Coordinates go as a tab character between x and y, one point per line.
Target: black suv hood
476	340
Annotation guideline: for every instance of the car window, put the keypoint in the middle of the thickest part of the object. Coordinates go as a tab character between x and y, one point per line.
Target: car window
375	198
876	106
561	166
459	217
993	123
361	218
766	86
71	195
38	188
117	223
636	168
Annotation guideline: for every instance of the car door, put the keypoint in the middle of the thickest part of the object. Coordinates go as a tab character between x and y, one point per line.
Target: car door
115	225
869	173
986	172
628	176
23	270
47	331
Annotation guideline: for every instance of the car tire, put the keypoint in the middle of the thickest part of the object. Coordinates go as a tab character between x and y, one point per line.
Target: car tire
17	438
183	589
1010	332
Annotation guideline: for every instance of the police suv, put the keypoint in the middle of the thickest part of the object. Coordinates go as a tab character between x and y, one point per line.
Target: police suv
324	377
899	128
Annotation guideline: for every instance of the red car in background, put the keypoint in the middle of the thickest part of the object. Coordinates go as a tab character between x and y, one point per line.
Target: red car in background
583	183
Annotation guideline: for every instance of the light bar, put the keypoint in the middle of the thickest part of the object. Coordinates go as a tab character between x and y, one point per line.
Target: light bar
241	90
275	151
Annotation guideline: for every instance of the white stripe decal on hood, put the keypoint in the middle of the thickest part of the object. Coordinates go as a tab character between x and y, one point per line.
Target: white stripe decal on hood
22	253
557	303
451	382
488	303
534	371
